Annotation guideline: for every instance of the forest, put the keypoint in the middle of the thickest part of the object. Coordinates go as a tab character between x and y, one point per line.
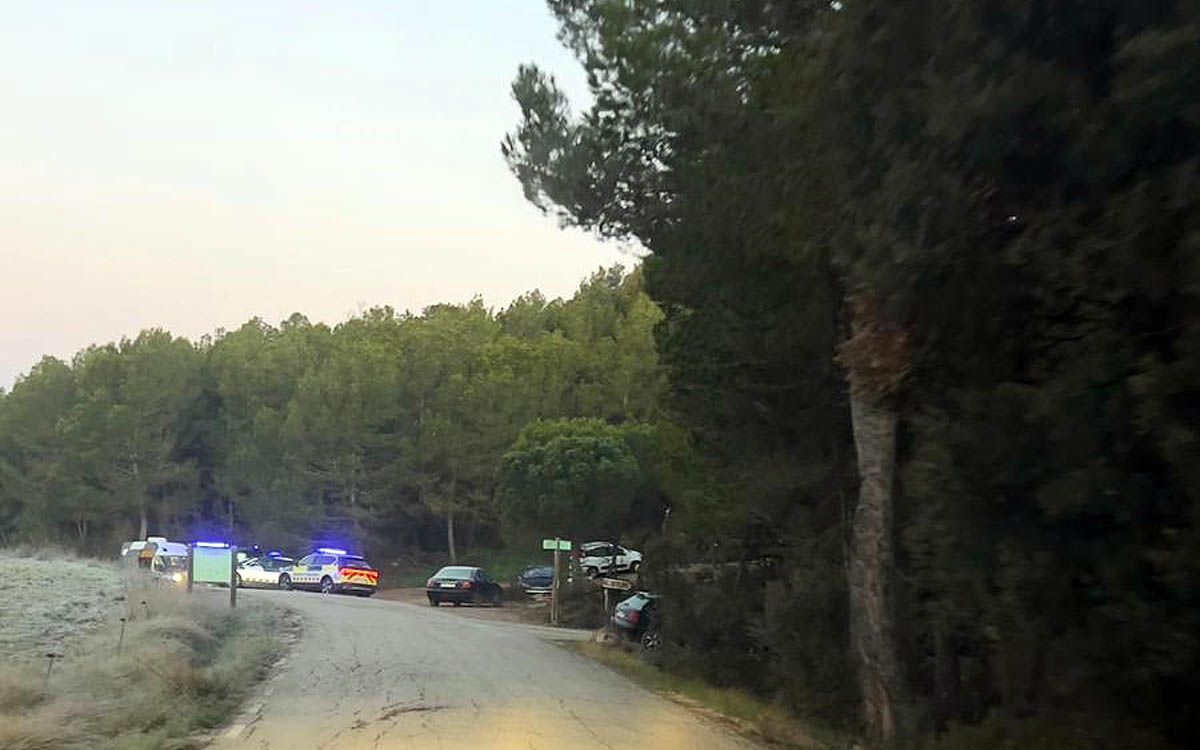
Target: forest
913	351
385	432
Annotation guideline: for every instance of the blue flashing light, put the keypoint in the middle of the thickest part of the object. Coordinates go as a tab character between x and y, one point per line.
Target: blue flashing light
274	553
213	545
331	551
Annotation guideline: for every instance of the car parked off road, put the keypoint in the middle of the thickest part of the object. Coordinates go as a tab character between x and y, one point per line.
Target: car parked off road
637	619
603	557
459	584
535	580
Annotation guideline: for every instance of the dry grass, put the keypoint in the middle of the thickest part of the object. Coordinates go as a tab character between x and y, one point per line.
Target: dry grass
185	665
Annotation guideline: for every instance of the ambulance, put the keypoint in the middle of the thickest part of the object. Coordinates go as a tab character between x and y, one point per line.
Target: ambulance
166	560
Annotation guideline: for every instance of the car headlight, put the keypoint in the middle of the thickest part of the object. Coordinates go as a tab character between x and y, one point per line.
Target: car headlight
177	577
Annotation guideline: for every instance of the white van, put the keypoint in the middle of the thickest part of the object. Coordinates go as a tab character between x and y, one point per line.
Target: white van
167	560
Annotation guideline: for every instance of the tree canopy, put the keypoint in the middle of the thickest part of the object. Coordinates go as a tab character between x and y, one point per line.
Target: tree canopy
379	431
941	256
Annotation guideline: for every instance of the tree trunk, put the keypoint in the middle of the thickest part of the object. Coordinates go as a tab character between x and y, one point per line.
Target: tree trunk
946	679
450	535
874	423
143	522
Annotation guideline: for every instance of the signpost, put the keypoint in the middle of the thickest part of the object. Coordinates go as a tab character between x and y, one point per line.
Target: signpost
558	545
616	584
612	584
213	562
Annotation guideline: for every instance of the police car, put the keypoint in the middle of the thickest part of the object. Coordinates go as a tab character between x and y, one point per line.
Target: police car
331	570
272	570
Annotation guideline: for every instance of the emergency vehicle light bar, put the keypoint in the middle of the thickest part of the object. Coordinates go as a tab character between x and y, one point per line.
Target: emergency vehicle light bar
213	545
331	551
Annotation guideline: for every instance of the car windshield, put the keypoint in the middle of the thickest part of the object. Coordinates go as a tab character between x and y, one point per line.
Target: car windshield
539	572
356	562
455	573
174	562
637	601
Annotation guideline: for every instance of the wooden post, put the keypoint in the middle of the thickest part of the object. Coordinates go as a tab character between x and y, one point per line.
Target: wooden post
232	577
554	586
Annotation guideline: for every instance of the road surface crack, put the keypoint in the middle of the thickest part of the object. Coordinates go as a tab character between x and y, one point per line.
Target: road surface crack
395	711
584	724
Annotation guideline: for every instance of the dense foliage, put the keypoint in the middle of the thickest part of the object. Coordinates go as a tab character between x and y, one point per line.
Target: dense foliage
386	431
975	220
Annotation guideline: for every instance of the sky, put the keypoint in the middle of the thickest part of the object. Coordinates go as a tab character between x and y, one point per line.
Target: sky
190	165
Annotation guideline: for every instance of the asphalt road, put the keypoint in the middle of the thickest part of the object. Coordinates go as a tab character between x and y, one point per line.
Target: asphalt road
380	675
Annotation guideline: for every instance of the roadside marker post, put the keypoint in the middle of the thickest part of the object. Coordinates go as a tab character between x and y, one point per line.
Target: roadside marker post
121	638
49	666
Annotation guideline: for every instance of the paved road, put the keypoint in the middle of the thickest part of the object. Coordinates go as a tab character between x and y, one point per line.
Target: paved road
381	675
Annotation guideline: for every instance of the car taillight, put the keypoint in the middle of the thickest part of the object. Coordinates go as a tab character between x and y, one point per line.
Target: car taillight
464	585
633	615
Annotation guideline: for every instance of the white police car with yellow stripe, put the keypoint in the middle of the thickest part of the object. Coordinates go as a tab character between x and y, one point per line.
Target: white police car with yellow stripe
330	570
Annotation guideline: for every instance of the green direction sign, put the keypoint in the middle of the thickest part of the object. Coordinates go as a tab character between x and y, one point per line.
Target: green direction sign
563	545
212	564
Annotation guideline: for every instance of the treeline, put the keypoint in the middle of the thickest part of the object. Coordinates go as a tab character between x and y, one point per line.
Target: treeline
386	431
931	291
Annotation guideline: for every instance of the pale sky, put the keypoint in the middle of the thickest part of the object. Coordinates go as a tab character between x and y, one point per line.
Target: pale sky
189	165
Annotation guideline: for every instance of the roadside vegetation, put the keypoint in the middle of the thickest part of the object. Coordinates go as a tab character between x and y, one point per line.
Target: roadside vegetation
745	712
184	665
911	368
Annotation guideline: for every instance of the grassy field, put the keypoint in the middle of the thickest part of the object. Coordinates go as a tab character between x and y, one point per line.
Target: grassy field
184	666
51	600
738	709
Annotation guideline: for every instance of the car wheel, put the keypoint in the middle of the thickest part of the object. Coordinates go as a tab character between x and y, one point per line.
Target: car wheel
591	571
633	566
495	598
433	602
651	640
326	585
285	582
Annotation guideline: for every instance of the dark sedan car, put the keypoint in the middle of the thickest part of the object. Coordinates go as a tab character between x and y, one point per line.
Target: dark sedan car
460	583
536	580
637	619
